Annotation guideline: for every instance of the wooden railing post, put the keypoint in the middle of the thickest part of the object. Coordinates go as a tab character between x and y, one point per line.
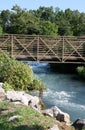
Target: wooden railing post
38	48
63	50
11	45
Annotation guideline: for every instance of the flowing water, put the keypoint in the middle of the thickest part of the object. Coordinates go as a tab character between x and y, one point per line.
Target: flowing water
63	91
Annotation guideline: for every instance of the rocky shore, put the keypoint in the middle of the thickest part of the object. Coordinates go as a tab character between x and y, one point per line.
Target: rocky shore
25	99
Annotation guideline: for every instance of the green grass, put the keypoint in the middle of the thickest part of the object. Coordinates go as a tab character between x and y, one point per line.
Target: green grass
30	119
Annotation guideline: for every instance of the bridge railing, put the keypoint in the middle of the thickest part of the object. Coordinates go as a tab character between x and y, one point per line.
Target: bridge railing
60	49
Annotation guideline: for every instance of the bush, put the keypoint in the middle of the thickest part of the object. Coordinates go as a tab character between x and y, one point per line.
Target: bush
17	74
38	85
7	86
81	71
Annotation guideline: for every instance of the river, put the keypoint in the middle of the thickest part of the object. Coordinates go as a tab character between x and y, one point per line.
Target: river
63	90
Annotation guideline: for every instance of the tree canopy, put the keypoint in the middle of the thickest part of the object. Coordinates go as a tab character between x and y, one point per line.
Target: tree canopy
43	21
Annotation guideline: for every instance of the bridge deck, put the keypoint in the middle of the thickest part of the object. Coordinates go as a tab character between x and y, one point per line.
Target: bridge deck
45	48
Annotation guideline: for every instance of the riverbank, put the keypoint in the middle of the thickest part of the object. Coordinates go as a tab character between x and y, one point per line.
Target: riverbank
26	119
19	110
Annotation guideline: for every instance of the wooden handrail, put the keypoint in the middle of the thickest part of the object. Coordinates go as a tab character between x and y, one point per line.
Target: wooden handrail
59	49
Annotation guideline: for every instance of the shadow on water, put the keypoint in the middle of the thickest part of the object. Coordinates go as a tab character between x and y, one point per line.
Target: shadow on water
64	68
53	68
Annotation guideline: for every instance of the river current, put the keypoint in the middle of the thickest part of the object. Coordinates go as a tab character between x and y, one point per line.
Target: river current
63	90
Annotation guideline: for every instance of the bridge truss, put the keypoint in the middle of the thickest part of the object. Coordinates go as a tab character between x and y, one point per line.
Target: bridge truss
50	49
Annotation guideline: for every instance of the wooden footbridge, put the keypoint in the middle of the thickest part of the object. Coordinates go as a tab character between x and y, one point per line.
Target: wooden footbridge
49	49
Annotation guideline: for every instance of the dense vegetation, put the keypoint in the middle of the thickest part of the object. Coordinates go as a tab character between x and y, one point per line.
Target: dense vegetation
17	75
43	21
81	72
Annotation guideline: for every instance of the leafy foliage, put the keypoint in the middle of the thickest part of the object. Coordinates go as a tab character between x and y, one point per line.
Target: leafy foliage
7	86
48	28
43	21
1	30
38	85
17	74
81	71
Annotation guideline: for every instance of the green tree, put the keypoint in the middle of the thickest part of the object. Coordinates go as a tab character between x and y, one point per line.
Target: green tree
48	28
64	27
44	20
18	20
81	30
69	15
75	22
5	18
45	13
33	24
23	21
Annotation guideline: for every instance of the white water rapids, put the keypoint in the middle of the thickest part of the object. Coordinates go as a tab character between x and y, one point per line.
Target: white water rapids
63	91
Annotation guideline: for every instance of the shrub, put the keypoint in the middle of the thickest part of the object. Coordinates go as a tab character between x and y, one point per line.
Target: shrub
38	85
17	74
7	86
81	71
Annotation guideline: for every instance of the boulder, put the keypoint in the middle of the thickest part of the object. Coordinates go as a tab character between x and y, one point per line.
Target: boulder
47	112
79	124
14	95
60	115
24	98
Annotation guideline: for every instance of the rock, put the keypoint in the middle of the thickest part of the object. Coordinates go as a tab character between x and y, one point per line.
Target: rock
24	98
18	103
60	115
14	118
2	97
2	92
79	124
1	88
14	95
54	127
47	112
33	101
